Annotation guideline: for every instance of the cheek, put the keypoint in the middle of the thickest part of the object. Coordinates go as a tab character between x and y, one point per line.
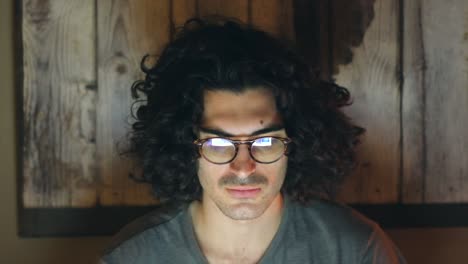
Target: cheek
276	172
202	172
281	171
208	173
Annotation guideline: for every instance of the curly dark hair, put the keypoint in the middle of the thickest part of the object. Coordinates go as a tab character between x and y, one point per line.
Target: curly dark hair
228	55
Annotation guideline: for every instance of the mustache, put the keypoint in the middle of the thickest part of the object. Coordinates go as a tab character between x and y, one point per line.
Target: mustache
232	179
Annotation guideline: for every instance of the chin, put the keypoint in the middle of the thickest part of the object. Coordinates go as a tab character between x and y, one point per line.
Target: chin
243	211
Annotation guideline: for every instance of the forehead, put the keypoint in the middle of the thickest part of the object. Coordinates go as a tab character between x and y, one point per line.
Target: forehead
240	113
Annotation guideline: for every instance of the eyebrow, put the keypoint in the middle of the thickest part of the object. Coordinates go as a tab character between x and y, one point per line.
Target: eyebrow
222	133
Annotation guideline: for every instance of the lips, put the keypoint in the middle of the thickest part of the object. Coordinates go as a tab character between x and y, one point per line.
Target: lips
243	192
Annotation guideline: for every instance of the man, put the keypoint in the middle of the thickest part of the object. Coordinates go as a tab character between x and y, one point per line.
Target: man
244	147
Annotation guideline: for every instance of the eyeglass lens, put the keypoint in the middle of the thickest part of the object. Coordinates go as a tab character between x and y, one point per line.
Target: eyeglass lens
265	149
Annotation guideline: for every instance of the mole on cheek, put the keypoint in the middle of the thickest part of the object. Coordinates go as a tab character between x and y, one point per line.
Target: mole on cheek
261	122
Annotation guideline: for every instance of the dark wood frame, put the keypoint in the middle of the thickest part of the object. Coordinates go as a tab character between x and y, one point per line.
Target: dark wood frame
103	221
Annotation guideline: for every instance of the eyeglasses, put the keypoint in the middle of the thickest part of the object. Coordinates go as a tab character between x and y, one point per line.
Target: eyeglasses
265	150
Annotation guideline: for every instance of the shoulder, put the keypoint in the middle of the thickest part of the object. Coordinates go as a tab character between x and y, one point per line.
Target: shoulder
333	216
345	231
142	236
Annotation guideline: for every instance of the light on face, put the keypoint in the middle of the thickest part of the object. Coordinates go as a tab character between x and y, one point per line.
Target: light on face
219	142
263	142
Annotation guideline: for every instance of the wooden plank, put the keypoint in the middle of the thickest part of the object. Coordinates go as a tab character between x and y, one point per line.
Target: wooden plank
372	79
232	9
413	69
182	10
312	34
127	30
445	42
274	16
349	21
58	104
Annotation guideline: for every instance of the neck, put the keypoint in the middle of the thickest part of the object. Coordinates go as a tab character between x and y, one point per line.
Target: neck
219	234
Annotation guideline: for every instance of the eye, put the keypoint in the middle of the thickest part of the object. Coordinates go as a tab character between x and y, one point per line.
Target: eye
218	150
219	142
263	142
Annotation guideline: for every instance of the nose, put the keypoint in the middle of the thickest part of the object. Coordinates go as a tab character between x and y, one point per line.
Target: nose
243	165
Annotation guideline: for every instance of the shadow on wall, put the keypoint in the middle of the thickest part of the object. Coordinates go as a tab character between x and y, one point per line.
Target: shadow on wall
326	37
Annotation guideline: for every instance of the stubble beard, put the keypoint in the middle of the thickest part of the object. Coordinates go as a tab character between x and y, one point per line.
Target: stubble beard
243	210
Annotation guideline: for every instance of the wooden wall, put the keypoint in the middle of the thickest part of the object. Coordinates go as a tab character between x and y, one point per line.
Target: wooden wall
372	75
79	61
405	63
409	79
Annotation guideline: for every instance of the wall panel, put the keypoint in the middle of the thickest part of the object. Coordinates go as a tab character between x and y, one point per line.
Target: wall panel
59	150
127	30
445	42
370	73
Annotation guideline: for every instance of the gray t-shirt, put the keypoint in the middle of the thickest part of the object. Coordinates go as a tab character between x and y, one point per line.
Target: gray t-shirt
322	232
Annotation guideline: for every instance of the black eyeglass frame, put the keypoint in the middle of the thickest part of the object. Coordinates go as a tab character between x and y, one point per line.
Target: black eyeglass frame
236	143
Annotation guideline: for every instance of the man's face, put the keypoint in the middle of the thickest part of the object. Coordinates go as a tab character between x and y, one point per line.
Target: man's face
242	189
